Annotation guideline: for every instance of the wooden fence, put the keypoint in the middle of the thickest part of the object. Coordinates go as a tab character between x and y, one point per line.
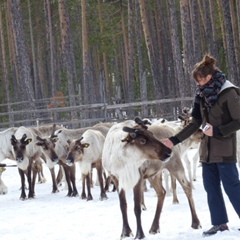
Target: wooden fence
88	114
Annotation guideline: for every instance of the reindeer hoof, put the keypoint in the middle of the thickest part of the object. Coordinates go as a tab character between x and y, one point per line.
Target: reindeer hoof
155	231
103	196
55	191
196	226
89	198
75	195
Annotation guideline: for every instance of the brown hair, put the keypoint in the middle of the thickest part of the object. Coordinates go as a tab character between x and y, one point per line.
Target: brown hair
206	67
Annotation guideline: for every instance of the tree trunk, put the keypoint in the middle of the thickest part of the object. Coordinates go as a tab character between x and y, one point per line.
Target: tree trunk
85	57
5	70
238	30
189	85
148	40
130	54
50	44
13	73
104	74
142	73
196	31
230	44
214	33
177	55
35	78
235	37
23	62
68	54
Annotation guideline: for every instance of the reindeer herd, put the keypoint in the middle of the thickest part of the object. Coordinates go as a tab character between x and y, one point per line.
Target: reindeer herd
126	154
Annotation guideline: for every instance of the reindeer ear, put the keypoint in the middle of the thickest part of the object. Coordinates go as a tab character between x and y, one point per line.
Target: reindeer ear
28	140
86	145
163	120
57	132
55	139
39	143
39	139
181	118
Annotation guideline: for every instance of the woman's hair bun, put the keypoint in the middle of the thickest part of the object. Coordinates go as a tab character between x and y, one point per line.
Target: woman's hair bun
207	66
208	60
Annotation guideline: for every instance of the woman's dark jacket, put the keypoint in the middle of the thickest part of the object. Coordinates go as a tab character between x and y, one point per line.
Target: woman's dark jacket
224	116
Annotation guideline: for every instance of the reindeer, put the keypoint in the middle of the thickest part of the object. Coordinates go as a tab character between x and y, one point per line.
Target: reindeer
26	154
57	144
88	152
4	188
47	145
131	159
5	152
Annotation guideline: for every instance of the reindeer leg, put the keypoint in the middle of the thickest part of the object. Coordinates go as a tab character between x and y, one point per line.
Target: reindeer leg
156	183
103	195
67	173
174	189
137	191
73	180
186	185
34	181
59	175
83	194
22	176
54	182
88	178
126	230
29	178
144	187
3	187
107	183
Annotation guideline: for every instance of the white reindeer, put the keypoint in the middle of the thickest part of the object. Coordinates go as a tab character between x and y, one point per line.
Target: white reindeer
133	157
88	152
5	152
56	145
27	154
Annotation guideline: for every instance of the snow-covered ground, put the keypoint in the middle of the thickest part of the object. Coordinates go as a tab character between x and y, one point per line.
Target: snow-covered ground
57	217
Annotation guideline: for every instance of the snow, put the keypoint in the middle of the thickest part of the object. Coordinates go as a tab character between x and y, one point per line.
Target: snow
57	217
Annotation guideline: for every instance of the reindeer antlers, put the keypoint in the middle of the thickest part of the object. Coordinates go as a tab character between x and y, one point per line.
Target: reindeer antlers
13	139
23	138
53	131
133	133
141	122
40	139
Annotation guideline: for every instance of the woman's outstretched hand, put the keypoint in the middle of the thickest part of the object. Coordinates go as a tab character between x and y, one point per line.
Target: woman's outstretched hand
167	143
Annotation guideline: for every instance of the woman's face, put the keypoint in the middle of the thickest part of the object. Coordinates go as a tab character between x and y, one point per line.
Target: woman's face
201	81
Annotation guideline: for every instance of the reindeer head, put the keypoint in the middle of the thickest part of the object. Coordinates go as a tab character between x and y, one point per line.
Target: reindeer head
75	150
19	146
48	145
186	116
141	137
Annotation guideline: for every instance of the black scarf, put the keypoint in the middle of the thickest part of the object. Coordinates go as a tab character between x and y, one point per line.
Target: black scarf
209	91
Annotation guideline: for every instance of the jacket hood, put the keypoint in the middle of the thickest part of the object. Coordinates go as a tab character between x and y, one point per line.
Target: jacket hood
227	84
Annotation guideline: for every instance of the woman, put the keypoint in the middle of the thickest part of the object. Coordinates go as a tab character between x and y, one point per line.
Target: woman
217	109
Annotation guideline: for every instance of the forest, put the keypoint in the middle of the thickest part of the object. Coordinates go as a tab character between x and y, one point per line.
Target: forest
72	53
